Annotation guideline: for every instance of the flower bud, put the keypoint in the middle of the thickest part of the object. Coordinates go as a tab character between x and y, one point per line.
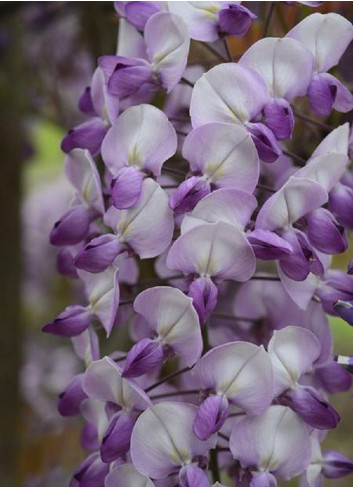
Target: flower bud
235	20
344	309
71	322
335	465
99	253
91	473
72	227
70	400
88	135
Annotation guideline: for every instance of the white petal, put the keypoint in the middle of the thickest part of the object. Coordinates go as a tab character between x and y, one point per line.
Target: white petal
226	155
163	439
285	65
228	205
292	351
326	36
325	169
227	93
335	142
172	315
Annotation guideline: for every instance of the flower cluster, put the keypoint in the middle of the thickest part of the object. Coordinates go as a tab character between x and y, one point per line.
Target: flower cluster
231	359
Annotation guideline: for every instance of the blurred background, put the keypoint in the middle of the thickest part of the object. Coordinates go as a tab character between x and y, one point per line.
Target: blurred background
48	52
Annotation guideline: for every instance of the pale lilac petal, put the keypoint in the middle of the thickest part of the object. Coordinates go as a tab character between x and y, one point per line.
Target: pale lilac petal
292	351
285	65
141	137
295	199
82	172
201	18
228	93
193	476
240	371
229	205
103	381
325	169
218	250
167	40
300	292
326	36
226	155
127	476
158	444
171	314
148	227
86	346
276	441
130	42
335	142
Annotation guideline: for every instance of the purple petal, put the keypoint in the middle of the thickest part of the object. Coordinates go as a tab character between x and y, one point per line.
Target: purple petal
116	440
333	377
88	135
188	194
263	479
85	103
325	233
268	245
344	309
91	472
265	142
126	188
210	417
341	204
204	294
71	398
279	118
312	407
144	357
193	476
126	476
235	20
71	322
336	465
99	253
321	96
72	227
65	263
342	97
138	13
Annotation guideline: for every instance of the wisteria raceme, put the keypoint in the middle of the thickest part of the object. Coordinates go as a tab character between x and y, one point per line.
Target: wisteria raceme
198	229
